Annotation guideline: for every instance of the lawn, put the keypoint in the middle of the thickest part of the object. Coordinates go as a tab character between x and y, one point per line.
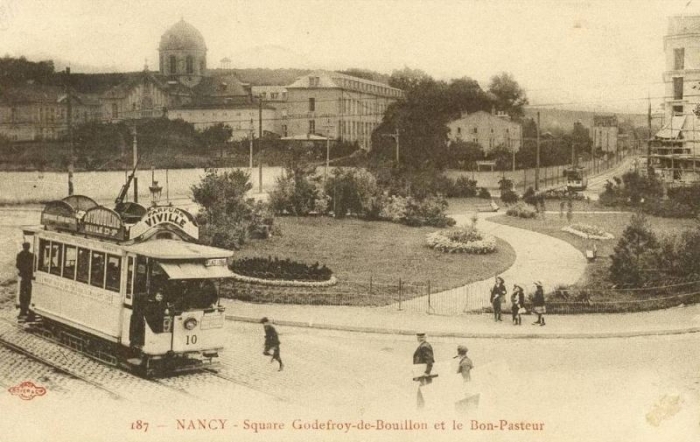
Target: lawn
596	274
368	259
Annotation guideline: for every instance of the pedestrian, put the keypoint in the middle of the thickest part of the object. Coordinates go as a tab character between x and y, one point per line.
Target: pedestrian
538	305
272	342
423	355
497	293
517	301
464	368
25	266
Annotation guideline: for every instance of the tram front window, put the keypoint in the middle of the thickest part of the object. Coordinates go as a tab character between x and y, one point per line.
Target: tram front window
191	294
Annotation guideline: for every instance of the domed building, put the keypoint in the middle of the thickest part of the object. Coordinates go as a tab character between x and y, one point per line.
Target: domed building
183	54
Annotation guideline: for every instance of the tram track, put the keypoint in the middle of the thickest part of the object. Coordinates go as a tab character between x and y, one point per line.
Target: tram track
71	373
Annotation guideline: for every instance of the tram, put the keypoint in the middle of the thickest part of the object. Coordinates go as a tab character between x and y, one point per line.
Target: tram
576	180
132	288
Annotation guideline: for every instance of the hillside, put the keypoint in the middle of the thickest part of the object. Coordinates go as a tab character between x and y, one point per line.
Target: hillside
564	119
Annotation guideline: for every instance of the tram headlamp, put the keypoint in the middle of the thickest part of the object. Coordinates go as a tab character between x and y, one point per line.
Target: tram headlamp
190	323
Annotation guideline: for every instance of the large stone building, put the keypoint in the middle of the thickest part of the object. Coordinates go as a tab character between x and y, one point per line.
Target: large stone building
324	103
487	130
335	105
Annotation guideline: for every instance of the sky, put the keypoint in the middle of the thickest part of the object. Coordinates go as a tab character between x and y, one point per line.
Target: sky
596	55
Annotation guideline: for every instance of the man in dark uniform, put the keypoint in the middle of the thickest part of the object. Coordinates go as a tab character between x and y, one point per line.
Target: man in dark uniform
272	342
423	355
25	265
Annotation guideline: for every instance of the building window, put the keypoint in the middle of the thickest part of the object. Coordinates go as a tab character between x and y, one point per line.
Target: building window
173	64
97	269
115	110
189	63
678	109
312	126
83	265
679	58
475	130
69	261
677	88
284	130
459	131
312	104
113	274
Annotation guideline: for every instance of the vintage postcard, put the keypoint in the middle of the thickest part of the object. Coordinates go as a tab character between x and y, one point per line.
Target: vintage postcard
360	220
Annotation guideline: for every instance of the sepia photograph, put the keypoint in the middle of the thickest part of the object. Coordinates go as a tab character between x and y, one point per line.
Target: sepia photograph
349	221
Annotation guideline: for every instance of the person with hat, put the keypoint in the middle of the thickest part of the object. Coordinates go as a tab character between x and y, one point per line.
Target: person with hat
538	304
423	355
497	293
517	301
25	266
272	342
465	365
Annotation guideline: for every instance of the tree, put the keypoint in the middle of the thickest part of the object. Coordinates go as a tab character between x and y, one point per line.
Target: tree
227	217
217	136
465	154
634	253
508	94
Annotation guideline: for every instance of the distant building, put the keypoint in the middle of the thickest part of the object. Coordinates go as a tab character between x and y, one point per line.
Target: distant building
40	112
605	133
487	130
331	104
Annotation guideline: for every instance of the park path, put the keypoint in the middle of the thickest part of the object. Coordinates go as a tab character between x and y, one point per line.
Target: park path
538	258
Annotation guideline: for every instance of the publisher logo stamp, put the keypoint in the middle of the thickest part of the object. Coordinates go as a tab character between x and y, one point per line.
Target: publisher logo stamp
27	390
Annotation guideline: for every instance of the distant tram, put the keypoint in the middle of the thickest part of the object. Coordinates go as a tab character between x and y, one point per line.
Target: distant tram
576	180
133	289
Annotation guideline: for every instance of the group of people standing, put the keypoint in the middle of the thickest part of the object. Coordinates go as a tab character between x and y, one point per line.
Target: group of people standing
517	302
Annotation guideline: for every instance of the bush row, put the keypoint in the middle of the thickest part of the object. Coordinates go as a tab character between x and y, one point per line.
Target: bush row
522	210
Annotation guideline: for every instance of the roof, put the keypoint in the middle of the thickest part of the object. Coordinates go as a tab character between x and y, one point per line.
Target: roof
335	80
122	89
306	137
467	116
182	36
174	249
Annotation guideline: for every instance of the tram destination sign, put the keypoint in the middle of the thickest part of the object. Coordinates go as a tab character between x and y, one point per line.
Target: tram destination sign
103	222
158	216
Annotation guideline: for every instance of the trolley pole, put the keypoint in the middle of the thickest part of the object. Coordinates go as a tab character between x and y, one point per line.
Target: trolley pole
136	180
328	128
71	164
537	169
260	134
252	135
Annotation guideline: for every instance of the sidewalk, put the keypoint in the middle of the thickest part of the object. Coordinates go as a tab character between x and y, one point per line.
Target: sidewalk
382	320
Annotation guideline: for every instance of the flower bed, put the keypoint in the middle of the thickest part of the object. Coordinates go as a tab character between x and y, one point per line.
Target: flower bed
522	210
462	240
276	269
588	231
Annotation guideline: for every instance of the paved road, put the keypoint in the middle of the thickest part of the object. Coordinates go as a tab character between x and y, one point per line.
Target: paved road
593	390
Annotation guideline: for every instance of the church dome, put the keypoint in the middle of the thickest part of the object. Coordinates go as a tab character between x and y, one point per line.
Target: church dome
182	36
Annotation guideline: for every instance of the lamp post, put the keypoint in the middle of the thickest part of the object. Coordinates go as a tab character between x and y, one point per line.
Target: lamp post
252	132
328	128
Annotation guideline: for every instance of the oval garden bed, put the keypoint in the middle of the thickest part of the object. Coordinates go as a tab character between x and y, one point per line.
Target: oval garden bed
281	273
588	231
462	240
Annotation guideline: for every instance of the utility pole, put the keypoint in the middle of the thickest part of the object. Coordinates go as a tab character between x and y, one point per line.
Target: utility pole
537	169
252	135
649	168
328	128
136	180
71	163
260	135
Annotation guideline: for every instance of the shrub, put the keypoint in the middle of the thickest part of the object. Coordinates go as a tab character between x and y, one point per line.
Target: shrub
484	193
269	268
462	240
294	192
352	191
406	210
522	210
634	252
669	208
463	188
509	197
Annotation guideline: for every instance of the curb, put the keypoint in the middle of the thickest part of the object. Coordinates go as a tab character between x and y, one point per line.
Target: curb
473	335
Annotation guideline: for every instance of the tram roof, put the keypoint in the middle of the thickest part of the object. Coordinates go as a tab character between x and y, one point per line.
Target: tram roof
174	249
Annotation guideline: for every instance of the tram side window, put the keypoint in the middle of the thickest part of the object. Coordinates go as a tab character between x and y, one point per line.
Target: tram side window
129	276
83	265
114	272
69	258
44	255
97	269
56	254
140	280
